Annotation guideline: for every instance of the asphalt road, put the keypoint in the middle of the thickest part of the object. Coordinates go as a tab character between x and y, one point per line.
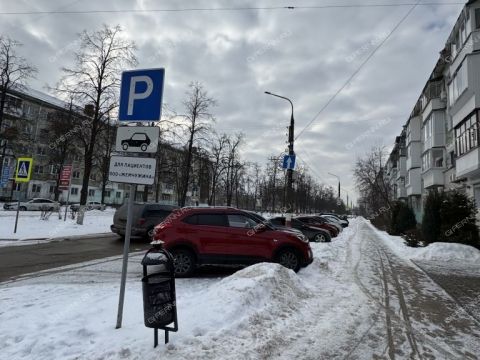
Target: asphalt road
20	260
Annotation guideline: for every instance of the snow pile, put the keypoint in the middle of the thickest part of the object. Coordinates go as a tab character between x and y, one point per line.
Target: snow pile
448	252
261	288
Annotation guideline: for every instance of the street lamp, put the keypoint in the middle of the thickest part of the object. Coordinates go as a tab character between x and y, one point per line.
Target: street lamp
291	131
338	183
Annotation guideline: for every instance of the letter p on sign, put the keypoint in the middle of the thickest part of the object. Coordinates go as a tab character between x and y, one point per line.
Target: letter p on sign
141	95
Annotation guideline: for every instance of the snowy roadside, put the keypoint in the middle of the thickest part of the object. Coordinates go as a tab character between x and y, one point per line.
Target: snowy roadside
32	230
441	252
261	311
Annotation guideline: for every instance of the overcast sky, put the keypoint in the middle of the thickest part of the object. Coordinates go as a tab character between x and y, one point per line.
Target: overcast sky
303	54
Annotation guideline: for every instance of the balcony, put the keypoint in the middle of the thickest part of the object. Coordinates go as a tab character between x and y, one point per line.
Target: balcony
401	192
468	164
414	186
433	177
401	167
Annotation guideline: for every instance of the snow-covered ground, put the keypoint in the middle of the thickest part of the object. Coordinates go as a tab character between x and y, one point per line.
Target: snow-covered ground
250	314
445	252
32	229
331	309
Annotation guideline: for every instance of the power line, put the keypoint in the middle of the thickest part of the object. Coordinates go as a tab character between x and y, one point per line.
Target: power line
248	8
355	73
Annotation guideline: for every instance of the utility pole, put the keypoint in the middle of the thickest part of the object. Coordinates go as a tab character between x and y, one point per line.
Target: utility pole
338	183
291	139
275	165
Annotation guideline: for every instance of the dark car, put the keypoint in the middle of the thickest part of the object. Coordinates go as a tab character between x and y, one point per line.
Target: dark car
197	236
138	140
314	234
145	217
320	222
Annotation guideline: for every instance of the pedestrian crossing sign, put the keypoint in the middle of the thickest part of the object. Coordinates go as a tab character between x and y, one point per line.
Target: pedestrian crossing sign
24	169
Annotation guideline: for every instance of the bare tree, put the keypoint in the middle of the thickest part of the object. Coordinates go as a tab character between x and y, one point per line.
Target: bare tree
103	152
62	127
370	179
218	155
14	72
94	81
198	117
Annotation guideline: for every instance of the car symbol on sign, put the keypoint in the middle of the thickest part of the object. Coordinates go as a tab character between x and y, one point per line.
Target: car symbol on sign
139	140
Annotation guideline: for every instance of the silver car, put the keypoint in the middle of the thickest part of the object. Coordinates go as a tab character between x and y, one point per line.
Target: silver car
35	204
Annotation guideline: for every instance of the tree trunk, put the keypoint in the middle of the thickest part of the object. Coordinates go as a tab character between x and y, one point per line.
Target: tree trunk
188	163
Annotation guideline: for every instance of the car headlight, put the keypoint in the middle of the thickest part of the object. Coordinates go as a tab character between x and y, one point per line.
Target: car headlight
302	237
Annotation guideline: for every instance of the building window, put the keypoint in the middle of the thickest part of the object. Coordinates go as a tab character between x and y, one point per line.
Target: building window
477	18
53	169
74	191
118	195
76	174
41	150
52	189
458	84
91	192
38	169
36	188
466	135
166	197
106	193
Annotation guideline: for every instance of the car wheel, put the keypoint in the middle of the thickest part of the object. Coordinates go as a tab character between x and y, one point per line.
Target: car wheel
183	262
289	259
23	208
125	146
321	237
143	147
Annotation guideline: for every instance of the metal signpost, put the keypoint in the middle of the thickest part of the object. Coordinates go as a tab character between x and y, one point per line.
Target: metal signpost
65	183
22	174
141	94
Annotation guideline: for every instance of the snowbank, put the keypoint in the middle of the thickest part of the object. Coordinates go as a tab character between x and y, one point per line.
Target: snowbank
448	252
434	252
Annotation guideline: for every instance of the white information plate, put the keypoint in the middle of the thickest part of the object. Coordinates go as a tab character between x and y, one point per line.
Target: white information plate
132	170
138	139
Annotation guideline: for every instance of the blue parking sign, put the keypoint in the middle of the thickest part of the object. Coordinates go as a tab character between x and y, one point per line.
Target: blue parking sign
141	95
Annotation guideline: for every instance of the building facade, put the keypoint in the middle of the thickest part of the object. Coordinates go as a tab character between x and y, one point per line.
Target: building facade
442	131
28	119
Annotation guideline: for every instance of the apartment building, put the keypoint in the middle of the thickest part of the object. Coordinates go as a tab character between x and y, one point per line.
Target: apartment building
441	133
27	118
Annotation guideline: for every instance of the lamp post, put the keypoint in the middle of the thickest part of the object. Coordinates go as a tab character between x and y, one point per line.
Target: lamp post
291	132
338	177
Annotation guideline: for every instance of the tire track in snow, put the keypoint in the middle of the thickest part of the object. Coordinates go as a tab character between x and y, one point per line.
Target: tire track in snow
388	320
404	308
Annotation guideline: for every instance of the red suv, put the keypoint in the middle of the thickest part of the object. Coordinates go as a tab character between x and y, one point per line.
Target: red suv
197	236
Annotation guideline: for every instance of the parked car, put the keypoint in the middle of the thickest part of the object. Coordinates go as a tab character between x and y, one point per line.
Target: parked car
319	222
276	226
138	140
145	216
313	233
197	236
35	204
343	221
333	221
90	205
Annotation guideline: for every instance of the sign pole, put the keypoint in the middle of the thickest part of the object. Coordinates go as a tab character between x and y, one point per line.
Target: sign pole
16	217
68	199
126	249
